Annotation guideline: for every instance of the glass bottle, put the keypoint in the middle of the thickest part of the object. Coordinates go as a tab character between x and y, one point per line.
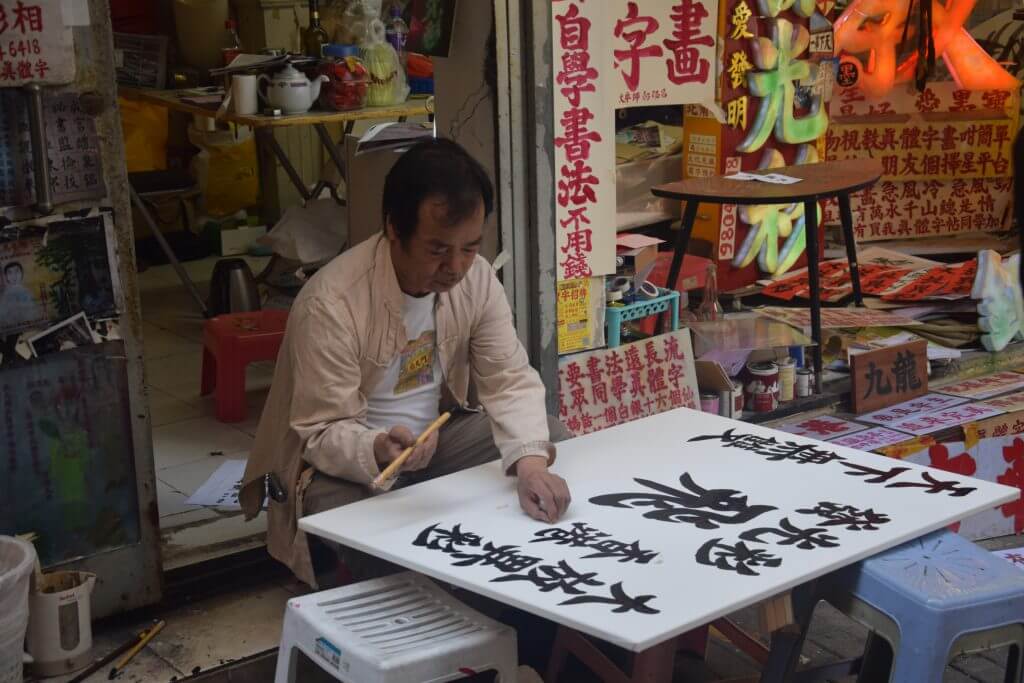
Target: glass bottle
709	308
314	37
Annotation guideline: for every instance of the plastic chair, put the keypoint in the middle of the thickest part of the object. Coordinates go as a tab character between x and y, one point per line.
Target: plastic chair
925	602
397	629
230	343
668	300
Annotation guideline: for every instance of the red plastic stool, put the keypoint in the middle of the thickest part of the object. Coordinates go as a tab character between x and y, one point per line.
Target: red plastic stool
230	343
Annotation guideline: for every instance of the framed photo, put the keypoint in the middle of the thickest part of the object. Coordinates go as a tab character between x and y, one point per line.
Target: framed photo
70	334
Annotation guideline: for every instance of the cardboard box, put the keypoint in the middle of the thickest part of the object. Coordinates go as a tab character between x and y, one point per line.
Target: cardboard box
638	251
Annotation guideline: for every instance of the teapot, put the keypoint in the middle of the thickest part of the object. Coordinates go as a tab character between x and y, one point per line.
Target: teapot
289	90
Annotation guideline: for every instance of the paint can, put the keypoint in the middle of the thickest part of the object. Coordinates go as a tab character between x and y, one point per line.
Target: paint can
804	380
761	392
737	399
787	379
709	403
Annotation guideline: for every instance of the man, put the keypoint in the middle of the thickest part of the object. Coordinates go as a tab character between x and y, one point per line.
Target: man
378	339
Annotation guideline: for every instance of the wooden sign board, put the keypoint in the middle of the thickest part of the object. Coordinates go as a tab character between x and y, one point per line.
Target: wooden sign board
888	376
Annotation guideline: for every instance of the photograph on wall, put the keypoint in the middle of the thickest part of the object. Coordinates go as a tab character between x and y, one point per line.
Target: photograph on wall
51	271
65	426
25	290
430	26
69	334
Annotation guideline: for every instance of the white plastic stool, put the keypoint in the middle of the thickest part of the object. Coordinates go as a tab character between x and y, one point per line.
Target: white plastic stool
397	629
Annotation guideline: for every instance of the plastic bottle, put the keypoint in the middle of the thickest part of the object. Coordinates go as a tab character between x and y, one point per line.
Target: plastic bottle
397	31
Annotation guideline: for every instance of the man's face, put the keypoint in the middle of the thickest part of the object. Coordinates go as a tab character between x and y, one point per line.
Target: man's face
438	255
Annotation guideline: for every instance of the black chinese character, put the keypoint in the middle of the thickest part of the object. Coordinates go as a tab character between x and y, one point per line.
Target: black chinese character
872	475
773	450
790	534
737	558
847	515
583	536
618	597
704	508
550	577
874	377
505	558
445	540
933	485
904	369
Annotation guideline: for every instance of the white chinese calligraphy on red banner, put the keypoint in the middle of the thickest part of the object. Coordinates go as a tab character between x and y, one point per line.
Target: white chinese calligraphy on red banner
35	45
608	55
611	386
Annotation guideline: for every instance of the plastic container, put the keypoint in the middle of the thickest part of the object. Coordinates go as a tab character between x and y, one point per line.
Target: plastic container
347	78
387	77
17	559
60	631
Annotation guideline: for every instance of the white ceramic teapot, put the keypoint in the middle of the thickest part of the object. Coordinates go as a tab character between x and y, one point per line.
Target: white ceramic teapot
289	90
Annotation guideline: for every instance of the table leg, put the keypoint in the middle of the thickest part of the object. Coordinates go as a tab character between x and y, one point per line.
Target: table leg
332	149
190	286
271	142
682	242
846	218
567	642
811	227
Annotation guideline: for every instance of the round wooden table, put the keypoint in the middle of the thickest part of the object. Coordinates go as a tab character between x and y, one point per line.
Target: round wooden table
817	181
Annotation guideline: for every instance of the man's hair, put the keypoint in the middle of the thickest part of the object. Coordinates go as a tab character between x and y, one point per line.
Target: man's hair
12	265
434	168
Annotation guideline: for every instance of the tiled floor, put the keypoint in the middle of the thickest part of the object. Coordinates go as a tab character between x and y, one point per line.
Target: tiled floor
188	442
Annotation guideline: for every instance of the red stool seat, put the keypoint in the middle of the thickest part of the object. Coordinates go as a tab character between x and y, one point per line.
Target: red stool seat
230	343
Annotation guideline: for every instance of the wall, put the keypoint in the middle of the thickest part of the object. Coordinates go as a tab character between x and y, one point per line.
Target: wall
465	105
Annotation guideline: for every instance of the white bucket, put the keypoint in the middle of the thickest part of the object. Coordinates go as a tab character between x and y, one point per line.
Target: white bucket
17	559
60	627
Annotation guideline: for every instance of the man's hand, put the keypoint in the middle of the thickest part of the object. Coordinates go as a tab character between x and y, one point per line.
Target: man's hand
387	447
543	495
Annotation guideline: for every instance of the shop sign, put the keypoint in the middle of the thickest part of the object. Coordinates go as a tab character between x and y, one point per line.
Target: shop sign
35	45
603	388
885	377
608	55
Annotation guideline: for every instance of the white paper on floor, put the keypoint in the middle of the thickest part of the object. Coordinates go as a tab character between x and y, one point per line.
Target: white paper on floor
221	489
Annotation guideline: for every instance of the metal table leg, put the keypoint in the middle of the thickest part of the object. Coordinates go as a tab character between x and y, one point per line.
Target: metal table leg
332	149
846	218
266	137
811	227
166	248
682	242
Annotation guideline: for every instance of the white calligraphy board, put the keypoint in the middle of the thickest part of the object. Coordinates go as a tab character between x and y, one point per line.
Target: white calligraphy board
752	488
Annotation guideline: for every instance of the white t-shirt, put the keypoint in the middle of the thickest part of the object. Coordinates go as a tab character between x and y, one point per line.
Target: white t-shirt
410	391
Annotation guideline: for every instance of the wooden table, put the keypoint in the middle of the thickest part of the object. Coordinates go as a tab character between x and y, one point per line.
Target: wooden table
264	125
677	520
817	181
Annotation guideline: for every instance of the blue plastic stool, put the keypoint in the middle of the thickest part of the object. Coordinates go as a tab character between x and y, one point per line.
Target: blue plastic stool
928	600
616	315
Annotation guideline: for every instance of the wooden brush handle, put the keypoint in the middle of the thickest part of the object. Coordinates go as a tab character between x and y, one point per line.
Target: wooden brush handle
397	463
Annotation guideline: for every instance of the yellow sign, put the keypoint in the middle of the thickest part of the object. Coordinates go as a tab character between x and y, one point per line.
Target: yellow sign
574	319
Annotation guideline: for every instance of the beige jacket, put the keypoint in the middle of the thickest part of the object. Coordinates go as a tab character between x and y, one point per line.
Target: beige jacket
344	329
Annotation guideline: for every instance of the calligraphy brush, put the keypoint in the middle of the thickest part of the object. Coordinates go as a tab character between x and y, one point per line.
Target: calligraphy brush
392	469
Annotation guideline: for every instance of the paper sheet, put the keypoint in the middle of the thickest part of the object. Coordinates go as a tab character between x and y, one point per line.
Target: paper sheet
1014	556
221	489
